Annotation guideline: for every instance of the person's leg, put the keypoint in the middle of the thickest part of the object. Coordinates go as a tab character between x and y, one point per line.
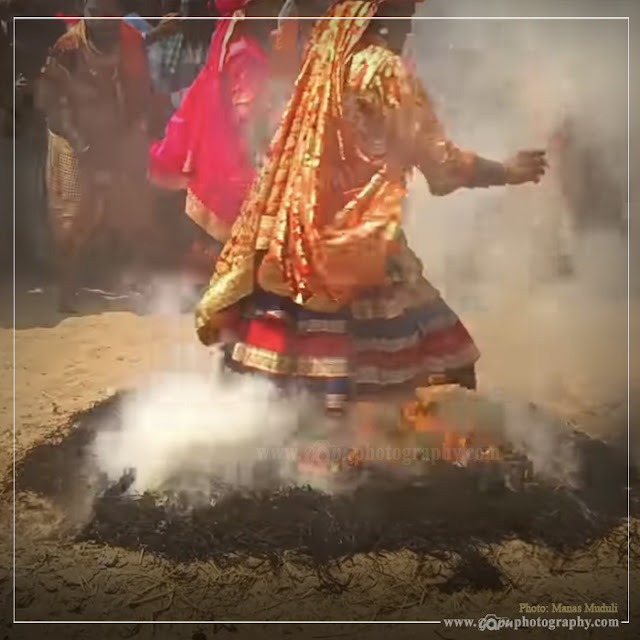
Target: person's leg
67	204
132	214
67	270
69	244
337	405
136	238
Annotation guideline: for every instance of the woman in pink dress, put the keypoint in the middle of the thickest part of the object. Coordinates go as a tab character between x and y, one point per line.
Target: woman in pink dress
214	140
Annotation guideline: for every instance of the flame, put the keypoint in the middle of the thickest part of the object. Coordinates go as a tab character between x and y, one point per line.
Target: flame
424	416
422	423
418	417
427	418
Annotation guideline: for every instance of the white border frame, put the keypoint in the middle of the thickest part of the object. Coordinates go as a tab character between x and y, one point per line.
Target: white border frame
326	622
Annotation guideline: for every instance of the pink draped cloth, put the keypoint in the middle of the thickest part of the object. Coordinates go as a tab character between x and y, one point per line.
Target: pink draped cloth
226	7
204	148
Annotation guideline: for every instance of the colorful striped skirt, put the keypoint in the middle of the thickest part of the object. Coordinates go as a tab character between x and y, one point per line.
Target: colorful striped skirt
388	342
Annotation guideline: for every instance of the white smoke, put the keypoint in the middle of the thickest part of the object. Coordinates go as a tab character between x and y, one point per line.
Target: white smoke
546	441
185	427
500	86
561	342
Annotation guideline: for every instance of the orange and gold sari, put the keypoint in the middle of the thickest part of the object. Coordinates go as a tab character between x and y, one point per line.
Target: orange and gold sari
317	277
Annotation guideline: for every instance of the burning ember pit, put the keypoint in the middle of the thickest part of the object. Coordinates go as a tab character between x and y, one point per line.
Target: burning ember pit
445	424
381	513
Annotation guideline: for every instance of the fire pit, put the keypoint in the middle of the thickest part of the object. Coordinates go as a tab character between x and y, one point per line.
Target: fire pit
384	511
445	424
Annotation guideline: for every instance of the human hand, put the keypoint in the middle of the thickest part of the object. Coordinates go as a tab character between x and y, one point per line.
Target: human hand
526	166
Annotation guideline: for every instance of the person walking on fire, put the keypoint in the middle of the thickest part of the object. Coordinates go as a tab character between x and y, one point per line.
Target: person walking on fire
317	284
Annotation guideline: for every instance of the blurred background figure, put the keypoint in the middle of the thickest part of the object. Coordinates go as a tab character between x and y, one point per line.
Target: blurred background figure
33	38
69	11
296	22
177	51
95	91
586	195
137	13
221	130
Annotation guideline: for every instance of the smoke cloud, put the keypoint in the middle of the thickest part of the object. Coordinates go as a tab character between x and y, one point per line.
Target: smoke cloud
538	273
185	427
550	333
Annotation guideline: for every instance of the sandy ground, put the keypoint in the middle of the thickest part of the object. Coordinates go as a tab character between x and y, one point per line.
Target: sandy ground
65	365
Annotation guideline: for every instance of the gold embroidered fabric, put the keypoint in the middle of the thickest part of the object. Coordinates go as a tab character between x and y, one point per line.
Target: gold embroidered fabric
323	217
274	363
206	219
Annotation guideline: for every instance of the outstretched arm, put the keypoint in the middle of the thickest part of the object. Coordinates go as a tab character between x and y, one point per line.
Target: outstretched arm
525	166
447	167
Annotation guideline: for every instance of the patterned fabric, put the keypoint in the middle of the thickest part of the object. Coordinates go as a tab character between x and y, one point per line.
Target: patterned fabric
64	191
93	99
294	347
317	278
63	178
324	239
389	341
164	57
174	64
199	213
287	197
404	333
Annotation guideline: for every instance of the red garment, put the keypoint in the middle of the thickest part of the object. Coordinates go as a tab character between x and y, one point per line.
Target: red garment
227	7
70	21
204	148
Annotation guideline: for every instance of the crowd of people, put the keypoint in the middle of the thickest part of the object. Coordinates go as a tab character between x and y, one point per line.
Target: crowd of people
288	144
88	104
